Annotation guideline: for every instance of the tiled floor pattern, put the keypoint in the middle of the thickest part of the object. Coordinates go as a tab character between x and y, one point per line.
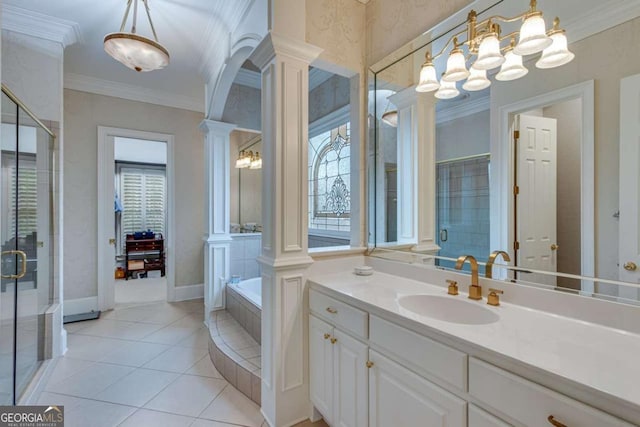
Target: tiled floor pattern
145	365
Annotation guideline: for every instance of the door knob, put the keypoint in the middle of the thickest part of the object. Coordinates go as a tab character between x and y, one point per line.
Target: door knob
555	247
630	266
112	242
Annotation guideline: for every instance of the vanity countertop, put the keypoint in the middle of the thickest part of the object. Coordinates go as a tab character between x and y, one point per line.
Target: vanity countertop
599	357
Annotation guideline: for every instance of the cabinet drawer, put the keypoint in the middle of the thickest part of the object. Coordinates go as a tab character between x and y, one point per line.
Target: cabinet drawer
339	314
422	354
480	418
529	403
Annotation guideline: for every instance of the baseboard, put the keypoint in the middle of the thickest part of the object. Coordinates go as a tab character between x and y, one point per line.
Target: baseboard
79	305
184	293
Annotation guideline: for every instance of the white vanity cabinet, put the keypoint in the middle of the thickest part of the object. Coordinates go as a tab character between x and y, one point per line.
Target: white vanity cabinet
338	375
368	371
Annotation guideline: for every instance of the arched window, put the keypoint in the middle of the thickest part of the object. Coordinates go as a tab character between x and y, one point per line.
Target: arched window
330	180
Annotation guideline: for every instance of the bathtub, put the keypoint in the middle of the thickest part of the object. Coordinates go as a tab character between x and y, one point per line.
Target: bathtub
251	289
244	303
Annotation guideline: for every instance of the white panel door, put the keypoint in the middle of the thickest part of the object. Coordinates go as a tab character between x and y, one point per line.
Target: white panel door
536	201
321	367
629	234
351	382
401	398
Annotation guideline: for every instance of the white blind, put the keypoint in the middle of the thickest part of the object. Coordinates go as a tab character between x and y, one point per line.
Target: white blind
27	187
143	197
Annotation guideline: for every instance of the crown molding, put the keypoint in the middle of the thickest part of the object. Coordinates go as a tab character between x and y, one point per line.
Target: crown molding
462	109
131	92
39	25
248	78
606	15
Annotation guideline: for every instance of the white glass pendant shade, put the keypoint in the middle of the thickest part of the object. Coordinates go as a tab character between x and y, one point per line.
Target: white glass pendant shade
512	68
477	80
489	55
557	54
428	80
244	160
136	52
390	118
447	90
533	35
456	67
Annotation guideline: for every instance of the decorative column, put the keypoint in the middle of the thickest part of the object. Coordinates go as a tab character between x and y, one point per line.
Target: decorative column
284	61
416	169
217	195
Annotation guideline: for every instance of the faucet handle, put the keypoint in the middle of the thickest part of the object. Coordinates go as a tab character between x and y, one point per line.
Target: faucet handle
493	298
453	287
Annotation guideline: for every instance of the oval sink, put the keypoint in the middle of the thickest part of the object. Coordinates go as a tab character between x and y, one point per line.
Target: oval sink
448	309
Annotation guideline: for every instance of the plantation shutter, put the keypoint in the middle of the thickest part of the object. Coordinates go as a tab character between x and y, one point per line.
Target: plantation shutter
143	197
27	186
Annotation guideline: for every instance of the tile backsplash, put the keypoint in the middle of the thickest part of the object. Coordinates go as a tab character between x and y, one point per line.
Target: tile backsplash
245	248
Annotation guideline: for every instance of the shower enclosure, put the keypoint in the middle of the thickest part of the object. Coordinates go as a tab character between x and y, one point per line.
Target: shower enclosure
27	285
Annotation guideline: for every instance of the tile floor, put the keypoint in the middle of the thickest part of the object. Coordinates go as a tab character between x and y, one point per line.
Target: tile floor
141	290
145	365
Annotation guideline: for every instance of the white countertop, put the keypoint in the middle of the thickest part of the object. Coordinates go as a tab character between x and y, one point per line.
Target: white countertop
599	357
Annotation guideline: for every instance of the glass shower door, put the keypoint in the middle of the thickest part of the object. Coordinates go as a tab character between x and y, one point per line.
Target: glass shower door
27	281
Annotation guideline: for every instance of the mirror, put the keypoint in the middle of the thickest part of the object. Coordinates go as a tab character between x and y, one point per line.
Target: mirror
532	166
246	182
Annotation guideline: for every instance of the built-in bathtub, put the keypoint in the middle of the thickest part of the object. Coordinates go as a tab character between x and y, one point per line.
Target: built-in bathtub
244	303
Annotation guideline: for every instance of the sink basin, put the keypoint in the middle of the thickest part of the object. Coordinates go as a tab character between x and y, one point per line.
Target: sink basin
449	309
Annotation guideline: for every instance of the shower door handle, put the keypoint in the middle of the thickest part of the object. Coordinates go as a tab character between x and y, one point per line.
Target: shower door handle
23	270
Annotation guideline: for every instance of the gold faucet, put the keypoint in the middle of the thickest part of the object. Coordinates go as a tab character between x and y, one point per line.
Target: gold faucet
475	291
492	259
493	298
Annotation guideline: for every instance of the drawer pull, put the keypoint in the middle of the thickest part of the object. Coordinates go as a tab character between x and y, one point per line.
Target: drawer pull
326	336
553	421
369	364
333	340
332	310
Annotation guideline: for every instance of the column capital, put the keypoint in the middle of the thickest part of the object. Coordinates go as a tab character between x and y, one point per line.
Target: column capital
404	98
276	44
215	127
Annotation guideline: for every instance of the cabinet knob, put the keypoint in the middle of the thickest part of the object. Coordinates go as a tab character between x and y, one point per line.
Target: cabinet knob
326	336
555	423
333	340
369	364
630	266
332	310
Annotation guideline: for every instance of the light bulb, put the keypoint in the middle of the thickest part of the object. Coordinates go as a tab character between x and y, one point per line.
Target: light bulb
447	90
456	67
558	53
489	55
477	80
533	36
512	68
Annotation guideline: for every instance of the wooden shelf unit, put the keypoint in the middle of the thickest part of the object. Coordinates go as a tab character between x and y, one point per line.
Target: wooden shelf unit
143	255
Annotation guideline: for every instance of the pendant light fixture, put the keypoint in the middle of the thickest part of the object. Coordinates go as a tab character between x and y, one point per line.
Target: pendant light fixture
133	50
390	117
482	49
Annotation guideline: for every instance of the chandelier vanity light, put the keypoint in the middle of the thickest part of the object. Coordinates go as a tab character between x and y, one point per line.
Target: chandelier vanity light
249	160
133	50
484	52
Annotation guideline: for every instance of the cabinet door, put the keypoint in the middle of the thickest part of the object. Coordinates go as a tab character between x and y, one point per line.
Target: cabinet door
480	418
350	381
321	367
401	398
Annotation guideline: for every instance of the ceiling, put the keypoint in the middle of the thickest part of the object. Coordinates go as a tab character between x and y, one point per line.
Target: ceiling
183	27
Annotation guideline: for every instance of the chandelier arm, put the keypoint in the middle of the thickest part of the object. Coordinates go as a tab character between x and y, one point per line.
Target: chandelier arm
505	19
511	34
153	30
126	15
448	43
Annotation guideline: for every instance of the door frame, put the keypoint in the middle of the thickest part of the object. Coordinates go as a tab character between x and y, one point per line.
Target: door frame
106	179
502	176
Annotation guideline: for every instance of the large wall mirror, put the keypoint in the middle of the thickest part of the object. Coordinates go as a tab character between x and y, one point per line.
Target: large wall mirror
544	166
